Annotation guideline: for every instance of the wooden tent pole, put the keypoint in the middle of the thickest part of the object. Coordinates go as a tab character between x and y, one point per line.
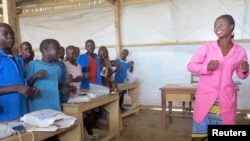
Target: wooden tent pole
9	16
117	27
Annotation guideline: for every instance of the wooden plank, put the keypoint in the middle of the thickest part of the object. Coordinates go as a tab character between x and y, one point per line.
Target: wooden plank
110	104
78	108
117	28
129	2
9	16
39	135
129	112
112	1
126	86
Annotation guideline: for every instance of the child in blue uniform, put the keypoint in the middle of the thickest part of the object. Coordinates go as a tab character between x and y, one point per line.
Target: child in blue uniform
13	91
91	66
91	71
123	66
46	75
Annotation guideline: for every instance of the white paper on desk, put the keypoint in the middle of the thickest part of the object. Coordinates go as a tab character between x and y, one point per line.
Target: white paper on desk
97	90
30	128
79	99
15	123
65	122
41	118
46	117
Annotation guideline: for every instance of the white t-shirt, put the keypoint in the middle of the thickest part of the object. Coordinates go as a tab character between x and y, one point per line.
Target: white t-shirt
74	71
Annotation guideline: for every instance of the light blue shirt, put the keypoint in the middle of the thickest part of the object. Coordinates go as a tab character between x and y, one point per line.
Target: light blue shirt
49	91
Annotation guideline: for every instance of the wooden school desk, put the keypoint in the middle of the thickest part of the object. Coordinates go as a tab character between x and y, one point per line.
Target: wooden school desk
110	104
41	135
133	91
175	92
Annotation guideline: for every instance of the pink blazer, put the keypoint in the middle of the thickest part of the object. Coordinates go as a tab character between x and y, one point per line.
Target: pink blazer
217	84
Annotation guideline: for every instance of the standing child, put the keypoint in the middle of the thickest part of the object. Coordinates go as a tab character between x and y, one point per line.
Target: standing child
13	91
91	69
107	70
46	75
90	64
61	53
27	52
215	62
121	73
77	51
74	69
66	78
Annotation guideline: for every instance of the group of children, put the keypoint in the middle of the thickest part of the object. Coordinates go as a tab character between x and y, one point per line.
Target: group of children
29	84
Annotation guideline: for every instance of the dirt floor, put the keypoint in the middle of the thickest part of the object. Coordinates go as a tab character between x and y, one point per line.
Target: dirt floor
146	126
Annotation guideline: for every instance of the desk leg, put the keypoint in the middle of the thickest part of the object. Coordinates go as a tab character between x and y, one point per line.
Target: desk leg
74	134
120	123
170	107
163	109
113	110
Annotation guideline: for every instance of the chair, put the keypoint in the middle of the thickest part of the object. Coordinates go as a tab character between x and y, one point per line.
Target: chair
193	79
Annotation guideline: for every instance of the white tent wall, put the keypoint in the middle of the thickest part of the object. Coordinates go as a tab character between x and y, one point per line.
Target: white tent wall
161	37
70	27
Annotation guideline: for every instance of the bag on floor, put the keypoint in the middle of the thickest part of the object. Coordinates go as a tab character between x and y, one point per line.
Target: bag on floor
127	99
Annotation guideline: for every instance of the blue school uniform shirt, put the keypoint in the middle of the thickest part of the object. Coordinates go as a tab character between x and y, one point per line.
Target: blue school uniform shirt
83	60
121	74
12	105
63	97
49	91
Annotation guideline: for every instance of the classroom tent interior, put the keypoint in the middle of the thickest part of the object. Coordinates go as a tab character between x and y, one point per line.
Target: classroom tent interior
161	35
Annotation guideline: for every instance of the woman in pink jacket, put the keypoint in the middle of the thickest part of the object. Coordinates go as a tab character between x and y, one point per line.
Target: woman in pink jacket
215	62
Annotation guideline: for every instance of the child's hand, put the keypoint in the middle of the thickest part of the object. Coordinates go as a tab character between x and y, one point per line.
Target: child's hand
28	91
212	65
34	92
72	88
132	62
78	79
69	78
86	69
41	74
86	76
244	66
118	66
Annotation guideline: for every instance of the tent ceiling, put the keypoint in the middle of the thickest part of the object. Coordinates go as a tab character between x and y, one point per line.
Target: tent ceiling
40	6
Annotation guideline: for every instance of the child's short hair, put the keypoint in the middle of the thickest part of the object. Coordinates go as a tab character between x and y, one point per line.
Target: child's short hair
46	42
25	43
69	47
91	41
126	51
